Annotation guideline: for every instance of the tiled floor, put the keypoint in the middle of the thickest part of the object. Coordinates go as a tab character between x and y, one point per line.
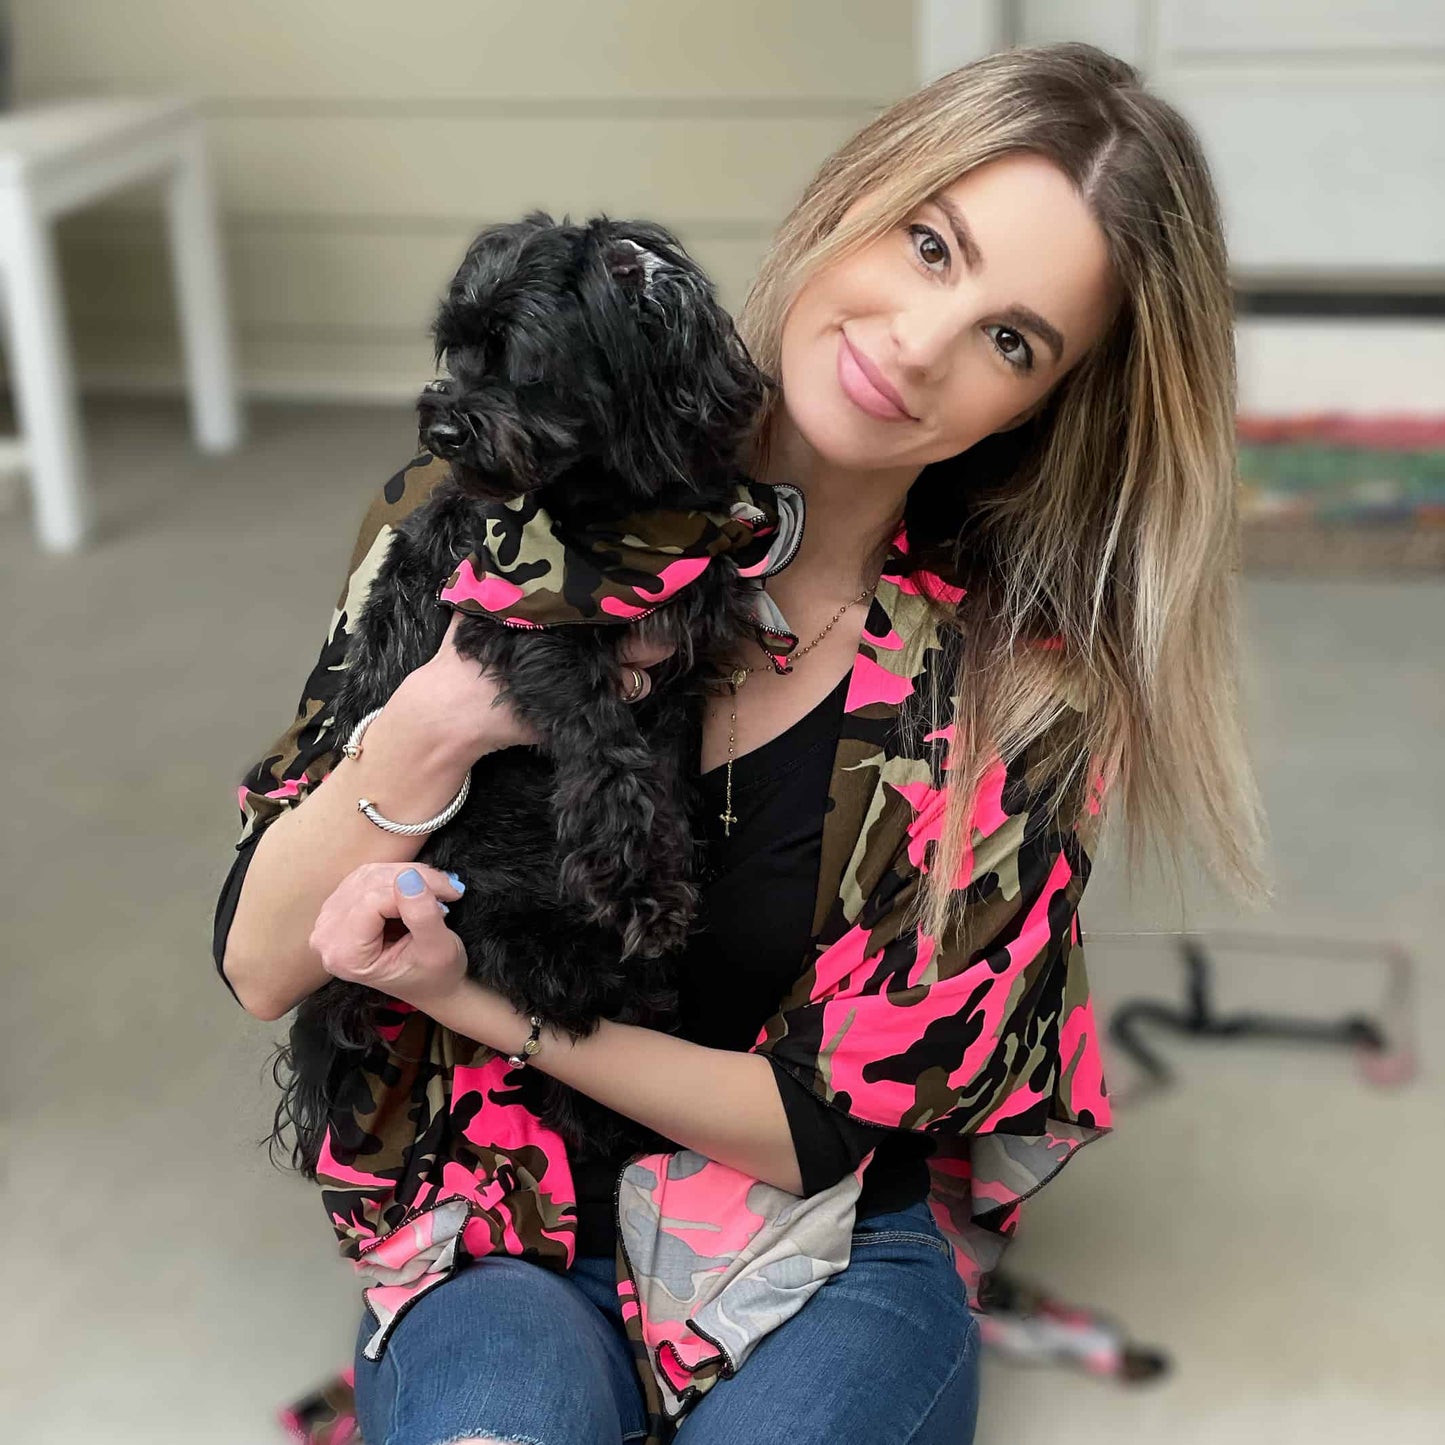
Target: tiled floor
1272	1222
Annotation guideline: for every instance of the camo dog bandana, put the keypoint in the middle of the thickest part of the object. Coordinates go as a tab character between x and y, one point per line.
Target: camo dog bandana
532	571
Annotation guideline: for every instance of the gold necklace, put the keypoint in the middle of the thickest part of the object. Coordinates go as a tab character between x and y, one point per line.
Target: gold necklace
739	677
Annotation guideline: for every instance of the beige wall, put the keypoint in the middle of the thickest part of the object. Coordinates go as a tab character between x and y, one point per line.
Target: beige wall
359	144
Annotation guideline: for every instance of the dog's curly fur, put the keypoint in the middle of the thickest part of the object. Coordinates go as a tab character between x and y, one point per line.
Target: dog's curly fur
610	380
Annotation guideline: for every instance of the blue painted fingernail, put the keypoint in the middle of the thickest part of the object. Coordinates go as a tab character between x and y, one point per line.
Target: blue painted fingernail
456	883
445	910
409	881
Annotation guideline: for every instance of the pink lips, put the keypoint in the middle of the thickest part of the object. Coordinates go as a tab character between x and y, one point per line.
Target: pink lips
865	387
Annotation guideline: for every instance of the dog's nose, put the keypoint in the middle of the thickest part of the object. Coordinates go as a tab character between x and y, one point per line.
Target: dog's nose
444	439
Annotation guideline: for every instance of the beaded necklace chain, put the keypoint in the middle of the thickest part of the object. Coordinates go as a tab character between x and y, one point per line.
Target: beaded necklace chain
740	676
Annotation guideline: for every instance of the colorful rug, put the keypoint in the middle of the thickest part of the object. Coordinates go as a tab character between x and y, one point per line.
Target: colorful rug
1331	495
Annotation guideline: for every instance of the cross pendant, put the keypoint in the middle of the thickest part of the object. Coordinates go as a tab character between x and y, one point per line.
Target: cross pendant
727	816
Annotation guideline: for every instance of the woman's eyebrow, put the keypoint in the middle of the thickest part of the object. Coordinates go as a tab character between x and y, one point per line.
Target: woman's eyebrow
972	256
1028	319
1022	316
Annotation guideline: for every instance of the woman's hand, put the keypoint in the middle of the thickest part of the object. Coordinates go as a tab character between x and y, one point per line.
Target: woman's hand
454	693
372	930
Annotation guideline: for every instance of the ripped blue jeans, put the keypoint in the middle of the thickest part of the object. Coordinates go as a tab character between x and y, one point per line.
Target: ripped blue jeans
885	1351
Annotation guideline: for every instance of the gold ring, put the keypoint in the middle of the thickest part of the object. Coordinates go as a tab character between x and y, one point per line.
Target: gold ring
639	685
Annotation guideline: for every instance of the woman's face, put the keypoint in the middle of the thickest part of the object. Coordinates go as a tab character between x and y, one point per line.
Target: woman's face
968	312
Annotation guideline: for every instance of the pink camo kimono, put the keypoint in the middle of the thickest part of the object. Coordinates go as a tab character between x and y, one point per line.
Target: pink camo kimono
992	1052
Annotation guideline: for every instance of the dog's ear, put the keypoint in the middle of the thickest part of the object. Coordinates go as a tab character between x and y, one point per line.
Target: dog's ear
632	266
691	388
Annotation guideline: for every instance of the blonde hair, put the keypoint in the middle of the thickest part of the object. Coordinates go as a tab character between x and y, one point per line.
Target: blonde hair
1098	543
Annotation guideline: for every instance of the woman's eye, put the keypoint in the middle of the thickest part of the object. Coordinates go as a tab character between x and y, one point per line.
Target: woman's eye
932	249
1013	348
934	241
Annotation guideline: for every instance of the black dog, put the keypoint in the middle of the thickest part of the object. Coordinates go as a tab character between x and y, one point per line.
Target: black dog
594	388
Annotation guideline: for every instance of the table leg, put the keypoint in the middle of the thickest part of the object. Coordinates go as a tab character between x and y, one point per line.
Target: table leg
43	376
200	286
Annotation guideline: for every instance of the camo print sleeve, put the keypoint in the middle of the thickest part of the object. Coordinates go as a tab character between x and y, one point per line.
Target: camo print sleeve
306	752
906	1030
991	1047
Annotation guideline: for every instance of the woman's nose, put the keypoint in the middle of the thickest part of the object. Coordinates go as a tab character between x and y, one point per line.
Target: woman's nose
924	334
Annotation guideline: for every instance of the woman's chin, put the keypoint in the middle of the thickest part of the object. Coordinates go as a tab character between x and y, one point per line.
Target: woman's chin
843	436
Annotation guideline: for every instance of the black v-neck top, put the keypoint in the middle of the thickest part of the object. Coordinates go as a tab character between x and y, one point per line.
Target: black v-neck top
755	919
758	890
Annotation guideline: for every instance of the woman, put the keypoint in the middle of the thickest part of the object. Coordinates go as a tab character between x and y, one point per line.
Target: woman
1001	320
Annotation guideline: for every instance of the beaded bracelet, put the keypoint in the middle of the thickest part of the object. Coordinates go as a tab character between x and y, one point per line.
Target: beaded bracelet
529	1048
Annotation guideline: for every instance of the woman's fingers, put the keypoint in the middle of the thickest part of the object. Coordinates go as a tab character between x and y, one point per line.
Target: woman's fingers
436	885
384	926
635	653
430	960
351	924
635	685
448	885
644	654
350	927
418	906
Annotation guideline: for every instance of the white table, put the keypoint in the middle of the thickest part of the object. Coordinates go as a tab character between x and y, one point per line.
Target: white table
56	158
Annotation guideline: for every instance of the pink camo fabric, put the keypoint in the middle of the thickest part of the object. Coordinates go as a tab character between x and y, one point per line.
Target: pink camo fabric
532	572
992	1049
